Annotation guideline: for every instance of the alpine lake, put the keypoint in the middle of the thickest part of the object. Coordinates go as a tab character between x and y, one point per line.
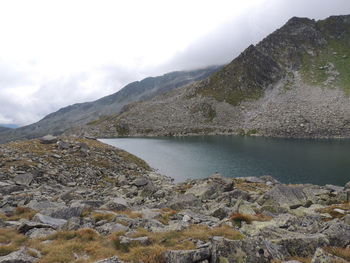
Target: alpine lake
288	160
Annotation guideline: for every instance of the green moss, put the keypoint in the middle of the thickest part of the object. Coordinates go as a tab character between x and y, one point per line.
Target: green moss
122	130
233	96
99	120
314	68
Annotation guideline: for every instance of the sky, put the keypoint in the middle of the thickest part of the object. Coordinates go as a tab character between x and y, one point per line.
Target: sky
54	53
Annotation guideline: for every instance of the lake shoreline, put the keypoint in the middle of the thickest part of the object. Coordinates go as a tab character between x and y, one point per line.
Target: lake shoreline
288	160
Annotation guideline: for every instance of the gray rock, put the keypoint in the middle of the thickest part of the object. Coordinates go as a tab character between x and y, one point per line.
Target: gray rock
45	207
347	219
221	212
66	213
285	196
40	232
184	201
9	189
347	186
302	246
110	228
48	220
20	256
25	226
142	181
72	223
23	179
338	234
145	241
117	204
187	256
249	250
322	256
48	139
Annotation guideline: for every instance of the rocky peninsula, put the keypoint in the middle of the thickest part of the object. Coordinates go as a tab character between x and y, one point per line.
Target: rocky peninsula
72	199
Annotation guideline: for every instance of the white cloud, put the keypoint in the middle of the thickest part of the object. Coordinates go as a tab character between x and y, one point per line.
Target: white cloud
58	52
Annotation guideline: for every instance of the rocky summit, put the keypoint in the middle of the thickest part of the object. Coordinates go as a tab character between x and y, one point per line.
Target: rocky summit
71	199
294	83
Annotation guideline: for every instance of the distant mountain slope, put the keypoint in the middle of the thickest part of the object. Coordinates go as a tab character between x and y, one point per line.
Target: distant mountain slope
82	113
3	129
294	83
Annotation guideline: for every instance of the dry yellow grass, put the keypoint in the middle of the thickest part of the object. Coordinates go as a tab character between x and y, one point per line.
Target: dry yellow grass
339	252
335	214
98	216
10	241
87	245
19	213
149	254
166	214
251	187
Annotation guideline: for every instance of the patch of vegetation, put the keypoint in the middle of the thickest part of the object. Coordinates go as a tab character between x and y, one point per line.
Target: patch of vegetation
122	129
166	215
19	213
87	245
234	96
331	210
100	120
99	216
339	252
10	241
251	187
315	69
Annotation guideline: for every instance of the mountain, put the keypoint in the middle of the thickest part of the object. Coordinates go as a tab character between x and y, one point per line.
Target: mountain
3	129
294	83
82	113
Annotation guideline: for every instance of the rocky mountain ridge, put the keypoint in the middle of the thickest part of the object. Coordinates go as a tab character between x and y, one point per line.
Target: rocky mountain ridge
294	83
83	113
78	200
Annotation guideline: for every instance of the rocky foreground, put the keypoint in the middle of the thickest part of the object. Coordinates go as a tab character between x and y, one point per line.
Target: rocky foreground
78	200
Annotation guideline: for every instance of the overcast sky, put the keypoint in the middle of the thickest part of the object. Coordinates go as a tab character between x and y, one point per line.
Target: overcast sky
56	53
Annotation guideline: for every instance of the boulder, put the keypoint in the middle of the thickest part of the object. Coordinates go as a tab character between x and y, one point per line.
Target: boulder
40	232
117	204
20	256
187	256
55	223
68	212
110	228
10	188
72	223
184	201
338	234
285	196
144	241
248	250
23	179
48	139
301	245
139	182
45	207
25	226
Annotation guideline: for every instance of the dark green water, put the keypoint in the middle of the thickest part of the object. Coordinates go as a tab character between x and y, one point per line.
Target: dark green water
288	160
